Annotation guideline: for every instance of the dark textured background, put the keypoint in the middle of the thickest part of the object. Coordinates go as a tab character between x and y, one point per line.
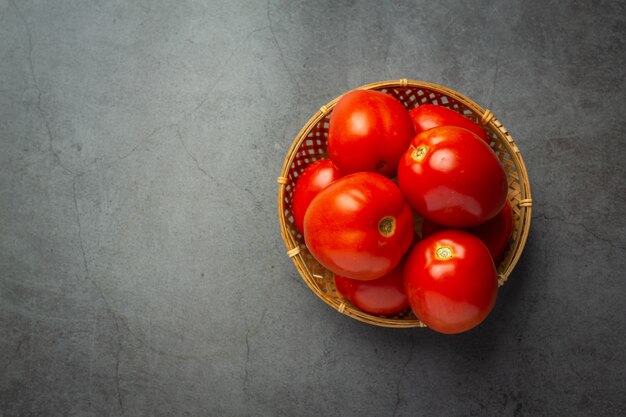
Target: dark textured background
141	267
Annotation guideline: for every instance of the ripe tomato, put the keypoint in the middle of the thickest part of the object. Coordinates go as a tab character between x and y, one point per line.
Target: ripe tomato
495	233
450	281
428	116
383	296
450	176
316	177
369	131
359	226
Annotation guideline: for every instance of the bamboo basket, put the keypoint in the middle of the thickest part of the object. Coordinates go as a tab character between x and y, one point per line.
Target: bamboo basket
310	145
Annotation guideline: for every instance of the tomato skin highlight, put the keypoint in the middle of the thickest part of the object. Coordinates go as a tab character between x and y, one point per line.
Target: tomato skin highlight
450	176
384	296
359	227
495	233
451	281
429	116
369	131
317	176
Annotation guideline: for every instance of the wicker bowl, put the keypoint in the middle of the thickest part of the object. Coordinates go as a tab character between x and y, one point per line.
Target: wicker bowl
310	145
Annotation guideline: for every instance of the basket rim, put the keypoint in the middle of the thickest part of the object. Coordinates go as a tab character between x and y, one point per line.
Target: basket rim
487	118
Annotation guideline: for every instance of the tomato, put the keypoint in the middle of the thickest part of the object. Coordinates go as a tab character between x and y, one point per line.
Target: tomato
383	296
428	116
317	176
450	281
495	233
359	227
450	176
369	131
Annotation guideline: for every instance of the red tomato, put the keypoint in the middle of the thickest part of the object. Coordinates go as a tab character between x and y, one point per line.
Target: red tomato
428	116
450	281
359	226
316	177
495	233
383	296
450	176
369	131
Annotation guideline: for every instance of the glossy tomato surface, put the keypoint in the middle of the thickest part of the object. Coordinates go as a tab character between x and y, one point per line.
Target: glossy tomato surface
383	296
452	177
450	281
429	116
316	177
359	227
369	131
495	234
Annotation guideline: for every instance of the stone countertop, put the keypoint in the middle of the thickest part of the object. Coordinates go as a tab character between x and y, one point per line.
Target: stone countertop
142	271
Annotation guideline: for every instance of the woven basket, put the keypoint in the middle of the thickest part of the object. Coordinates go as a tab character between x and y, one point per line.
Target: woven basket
310	145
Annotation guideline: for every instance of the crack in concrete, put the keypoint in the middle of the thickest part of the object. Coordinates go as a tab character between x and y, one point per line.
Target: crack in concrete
17	350
245	366
257	328
119	158
196	162
102	296
119	343
117	369
87	275
190	155
75	175
584	227
80	229
116	317
92	353
402	373
250	333
282	55
208	93
181	117
51	149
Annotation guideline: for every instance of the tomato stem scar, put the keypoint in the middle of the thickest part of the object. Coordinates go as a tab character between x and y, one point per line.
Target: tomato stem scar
444	253
419	153
387	226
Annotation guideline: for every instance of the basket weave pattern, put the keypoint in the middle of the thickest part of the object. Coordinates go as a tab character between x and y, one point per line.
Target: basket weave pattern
311	145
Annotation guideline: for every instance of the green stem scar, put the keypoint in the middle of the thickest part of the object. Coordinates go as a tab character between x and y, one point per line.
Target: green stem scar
419	153
387	226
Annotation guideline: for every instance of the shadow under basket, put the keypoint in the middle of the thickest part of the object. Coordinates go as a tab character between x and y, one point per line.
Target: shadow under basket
310	145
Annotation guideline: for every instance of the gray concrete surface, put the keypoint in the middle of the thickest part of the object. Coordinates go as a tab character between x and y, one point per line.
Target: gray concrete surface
141	267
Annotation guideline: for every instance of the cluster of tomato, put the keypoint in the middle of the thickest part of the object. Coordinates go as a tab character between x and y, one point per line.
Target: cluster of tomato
359	223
